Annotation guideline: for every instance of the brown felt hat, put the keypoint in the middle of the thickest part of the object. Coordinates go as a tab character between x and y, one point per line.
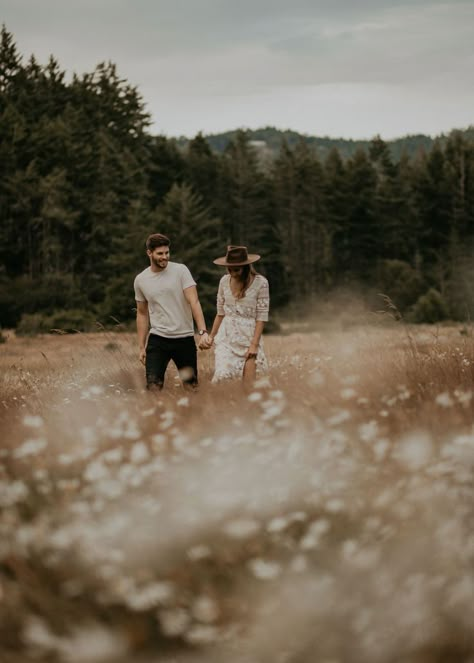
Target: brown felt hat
237	256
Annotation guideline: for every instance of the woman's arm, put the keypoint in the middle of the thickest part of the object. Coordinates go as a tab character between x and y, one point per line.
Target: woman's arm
215	327
253	347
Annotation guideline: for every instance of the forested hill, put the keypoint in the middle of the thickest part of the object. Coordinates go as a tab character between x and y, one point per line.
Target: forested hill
273	138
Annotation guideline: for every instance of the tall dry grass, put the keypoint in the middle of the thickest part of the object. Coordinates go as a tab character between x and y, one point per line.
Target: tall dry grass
324	515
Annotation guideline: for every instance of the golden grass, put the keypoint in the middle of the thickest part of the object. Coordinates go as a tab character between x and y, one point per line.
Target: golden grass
330	505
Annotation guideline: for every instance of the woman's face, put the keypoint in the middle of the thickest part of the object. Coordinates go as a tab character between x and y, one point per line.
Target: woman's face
236	272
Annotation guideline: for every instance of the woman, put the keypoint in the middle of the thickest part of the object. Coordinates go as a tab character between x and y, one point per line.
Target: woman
243	303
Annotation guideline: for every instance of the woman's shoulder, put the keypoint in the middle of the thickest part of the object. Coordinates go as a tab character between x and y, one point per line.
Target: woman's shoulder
261	280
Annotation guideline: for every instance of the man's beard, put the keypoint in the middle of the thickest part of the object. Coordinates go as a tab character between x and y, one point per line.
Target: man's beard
157	263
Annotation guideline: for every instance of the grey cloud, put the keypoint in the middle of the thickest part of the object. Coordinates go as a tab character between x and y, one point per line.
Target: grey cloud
234	58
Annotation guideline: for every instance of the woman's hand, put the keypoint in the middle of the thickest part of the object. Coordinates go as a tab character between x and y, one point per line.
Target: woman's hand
252	351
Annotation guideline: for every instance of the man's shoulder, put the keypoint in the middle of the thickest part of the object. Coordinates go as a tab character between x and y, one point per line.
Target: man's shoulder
145	272
177	267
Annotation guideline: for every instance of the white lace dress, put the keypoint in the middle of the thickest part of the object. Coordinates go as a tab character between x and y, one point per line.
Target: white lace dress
237	328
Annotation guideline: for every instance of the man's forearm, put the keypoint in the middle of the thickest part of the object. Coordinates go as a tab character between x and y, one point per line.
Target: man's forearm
142	330
198	315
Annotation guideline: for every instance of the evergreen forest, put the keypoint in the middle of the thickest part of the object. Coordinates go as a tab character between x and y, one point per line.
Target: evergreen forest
83	181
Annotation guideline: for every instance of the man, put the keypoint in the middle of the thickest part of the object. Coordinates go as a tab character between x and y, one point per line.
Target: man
167	302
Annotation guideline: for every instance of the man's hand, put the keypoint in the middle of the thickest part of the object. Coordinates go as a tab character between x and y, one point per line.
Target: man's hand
251	352
205	342
142	355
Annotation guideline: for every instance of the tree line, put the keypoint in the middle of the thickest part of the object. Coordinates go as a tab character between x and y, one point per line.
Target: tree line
83	182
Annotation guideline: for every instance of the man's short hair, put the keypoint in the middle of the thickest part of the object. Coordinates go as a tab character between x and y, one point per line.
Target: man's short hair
156	240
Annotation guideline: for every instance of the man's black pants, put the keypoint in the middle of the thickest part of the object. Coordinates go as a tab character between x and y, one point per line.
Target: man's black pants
159	352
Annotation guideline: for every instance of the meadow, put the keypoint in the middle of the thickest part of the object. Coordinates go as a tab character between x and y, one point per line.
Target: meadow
323	516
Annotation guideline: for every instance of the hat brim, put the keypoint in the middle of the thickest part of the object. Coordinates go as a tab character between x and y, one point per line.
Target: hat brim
252	257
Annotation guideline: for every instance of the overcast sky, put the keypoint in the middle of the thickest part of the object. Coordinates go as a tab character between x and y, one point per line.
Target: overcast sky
341	68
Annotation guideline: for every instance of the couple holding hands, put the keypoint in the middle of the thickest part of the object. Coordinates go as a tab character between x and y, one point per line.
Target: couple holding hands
168	302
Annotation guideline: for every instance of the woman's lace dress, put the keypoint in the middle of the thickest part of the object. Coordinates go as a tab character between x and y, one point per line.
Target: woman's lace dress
237	328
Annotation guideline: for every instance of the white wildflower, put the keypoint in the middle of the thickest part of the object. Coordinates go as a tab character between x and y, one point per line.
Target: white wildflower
338	418
158	442
132	432
348	393
254	397
315	532
92	644
110	489
113	455
264	569
414	451
277	393
95	471
174	621
201	634
183	402
242	528
277	524
139	453
30	447
11	493
335	505
149	596
198	552
368	431
381	448
299	564
37	634
205	609
316	378
444	400
33	421
262	382
463	397
66	459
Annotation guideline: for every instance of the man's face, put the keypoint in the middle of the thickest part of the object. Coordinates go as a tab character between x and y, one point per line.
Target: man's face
160	256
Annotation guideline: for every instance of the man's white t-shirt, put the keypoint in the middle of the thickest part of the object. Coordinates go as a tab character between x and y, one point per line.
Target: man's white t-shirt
169	311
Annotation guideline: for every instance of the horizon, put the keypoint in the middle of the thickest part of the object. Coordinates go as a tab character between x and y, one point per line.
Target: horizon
442	134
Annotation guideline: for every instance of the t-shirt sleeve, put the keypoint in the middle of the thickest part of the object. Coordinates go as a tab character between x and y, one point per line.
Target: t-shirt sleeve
139	296
220	298
186	279
263	301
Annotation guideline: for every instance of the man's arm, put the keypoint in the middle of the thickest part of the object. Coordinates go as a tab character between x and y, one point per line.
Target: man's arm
193	301
143	325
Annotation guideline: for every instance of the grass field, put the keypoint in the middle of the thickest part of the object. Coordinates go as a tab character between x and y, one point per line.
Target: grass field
326	515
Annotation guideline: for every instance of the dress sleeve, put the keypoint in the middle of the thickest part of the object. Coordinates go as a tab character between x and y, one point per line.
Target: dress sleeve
220	298
263	301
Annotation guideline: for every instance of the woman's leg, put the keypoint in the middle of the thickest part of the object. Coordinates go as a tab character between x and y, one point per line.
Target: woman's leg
250	371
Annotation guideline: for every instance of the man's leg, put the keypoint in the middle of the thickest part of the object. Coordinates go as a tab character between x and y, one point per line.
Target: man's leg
158	356
185	358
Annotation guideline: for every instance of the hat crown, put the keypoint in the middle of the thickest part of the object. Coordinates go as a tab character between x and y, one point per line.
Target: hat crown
236	254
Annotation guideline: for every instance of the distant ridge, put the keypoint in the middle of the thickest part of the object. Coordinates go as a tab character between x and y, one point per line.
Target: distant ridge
410	144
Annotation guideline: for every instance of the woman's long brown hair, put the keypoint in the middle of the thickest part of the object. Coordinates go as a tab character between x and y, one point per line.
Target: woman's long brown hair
245	279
